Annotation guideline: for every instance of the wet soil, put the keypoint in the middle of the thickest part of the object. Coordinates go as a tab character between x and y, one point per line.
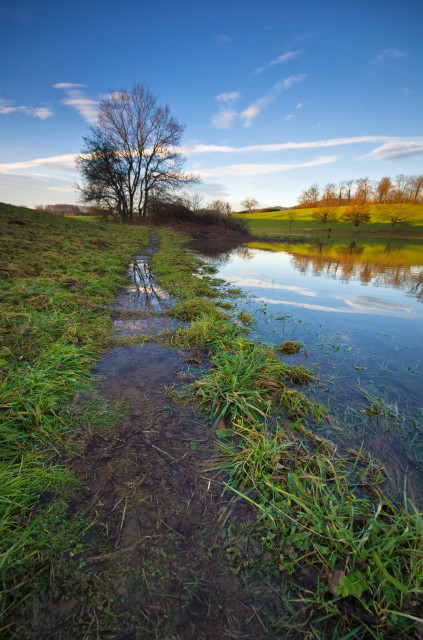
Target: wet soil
163	556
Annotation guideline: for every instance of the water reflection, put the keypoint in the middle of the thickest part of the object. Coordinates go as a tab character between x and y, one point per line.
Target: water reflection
387	264
355	306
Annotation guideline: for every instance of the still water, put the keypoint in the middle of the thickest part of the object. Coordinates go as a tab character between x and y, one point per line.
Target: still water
357	308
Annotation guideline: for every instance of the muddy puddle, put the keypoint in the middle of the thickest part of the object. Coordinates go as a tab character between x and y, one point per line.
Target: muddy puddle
166	548
141	307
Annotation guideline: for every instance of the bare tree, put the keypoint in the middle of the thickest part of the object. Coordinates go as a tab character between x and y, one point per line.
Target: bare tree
416	184
310	197
383	188
221	206
249	203
364	189
131	153
329	194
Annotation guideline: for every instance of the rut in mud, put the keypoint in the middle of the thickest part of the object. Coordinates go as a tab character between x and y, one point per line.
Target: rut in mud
160	557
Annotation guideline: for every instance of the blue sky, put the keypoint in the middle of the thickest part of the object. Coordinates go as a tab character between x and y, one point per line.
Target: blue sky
275	95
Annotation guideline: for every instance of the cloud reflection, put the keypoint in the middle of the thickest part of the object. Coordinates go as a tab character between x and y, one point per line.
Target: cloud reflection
356	305
251	282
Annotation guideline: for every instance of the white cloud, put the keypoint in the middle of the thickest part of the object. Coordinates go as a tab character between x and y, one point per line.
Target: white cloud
231	96
396	149
254	110
63	162
289	116
284	85
299	105
197	148
242	170
75	98
390	54
7	106
226	117
68	85
289	55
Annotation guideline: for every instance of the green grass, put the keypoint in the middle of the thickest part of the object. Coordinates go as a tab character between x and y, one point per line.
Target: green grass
277	222
57	278
319	513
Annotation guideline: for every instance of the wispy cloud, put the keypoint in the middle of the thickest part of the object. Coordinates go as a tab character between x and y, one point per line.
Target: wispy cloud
242	170
226	117
75	98
7	107
197	148
396	149
390	54
289	116
230	96
65	162
289	55
221	37
254	110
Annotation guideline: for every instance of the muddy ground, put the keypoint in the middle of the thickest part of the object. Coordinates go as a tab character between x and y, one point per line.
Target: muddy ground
166	553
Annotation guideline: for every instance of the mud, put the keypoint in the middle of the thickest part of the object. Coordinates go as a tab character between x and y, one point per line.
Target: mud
163	555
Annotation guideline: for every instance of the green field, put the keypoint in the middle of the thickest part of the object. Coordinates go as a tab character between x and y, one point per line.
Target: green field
277	222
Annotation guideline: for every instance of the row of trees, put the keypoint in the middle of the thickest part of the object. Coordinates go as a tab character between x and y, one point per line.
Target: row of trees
407	189
62	209
358	212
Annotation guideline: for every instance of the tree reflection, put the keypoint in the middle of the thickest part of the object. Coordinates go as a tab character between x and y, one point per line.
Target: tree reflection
347	261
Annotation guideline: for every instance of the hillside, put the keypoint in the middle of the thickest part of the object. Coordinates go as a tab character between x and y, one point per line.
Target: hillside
277	222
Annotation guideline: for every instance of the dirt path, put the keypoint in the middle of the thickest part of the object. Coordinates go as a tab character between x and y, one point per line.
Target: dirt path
163	554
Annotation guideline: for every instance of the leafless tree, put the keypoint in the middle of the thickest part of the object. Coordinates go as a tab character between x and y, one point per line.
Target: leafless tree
131	153
310	197
329	195
249	203
364	189
416	186
383	188
221	206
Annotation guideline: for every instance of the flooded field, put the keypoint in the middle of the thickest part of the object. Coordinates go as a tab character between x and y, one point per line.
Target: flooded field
357	309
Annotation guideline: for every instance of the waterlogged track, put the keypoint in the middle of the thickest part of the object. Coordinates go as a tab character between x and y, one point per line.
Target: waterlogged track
156	559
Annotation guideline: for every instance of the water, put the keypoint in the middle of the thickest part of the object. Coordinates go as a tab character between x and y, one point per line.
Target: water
357	308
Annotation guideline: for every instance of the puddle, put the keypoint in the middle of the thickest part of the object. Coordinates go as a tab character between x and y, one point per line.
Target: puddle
143	297
160	557
359	316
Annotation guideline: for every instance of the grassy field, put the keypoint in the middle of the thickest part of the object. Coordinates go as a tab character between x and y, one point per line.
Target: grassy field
277	222
57	277
318	513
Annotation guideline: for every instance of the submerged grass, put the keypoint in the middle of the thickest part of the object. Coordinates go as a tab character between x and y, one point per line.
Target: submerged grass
57	277
354	557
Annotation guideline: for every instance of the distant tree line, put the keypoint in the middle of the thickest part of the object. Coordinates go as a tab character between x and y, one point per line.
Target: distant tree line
65	209
403	189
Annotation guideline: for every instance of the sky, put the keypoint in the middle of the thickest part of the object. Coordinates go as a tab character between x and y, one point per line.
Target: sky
275	95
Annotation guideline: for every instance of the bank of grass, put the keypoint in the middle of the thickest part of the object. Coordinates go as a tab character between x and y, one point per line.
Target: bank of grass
57	276
354	556
277	222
